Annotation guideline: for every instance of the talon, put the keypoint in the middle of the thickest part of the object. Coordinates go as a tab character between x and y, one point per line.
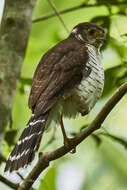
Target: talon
67	142
73	150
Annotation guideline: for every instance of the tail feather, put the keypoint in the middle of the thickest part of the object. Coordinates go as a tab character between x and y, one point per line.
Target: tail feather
28	143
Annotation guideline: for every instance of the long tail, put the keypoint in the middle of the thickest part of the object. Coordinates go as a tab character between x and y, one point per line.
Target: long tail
28	144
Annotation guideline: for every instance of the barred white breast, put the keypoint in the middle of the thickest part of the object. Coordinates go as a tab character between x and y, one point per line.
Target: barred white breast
91	87
86	94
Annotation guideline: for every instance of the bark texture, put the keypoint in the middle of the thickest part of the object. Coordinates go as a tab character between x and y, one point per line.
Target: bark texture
14	35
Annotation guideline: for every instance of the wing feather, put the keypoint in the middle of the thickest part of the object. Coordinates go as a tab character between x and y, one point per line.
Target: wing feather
57	74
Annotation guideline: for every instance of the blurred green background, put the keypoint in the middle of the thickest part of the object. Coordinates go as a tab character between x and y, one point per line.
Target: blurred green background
101	160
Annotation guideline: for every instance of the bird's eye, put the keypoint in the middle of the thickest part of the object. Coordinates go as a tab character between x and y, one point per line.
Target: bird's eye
92	32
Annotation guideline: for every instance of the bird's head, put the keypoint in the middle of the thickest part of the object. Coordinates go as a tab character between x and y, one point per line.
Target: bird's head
89	33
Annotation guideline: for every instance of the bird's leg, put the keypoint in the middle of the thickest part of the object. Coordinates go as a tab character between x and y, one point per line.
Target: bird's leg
66	139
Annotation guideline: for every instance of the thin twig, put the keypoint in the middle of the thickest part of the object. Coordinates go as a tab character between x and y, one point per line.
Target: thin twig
84	5
58	14
45	158
9	183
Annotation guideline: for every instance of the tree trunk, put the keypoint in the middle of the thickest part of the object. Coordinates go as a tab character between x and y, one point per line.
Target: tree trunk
14	35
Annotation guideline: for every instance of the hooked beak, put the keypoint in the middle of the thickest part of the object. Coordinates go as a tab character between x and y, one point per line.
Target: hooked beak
103	39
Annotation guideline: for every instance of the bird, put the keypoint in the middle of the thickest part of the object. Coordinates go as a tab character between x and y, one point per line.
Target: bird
67	82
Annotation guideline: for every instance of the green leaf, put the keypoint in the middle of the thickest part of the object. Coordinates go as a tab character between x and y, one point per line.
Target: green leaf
104	21
114	77
120	140
120	48
48	182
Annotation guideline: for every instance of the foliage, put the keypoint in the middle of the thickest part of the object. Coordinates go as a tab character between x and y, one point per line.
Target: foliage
101	165
48	182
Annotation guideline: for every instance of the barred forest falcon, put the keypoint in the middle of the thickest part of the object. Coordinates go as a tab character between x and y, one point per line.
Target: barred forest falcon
68	81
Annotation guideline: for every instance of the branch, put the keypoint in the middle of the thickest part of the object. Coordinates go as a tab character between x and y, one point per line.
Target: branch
45	158
9	183
58	14
84	5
